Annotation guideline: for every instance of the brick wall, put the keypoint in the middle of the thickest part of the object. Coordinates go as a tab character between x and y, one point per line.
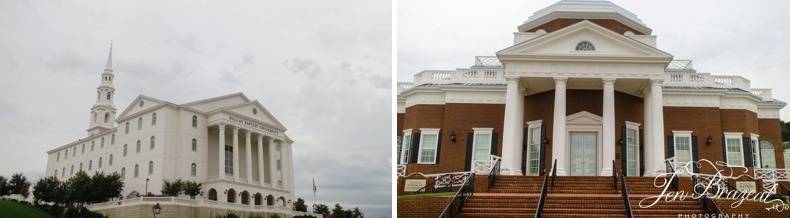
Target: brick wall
557	24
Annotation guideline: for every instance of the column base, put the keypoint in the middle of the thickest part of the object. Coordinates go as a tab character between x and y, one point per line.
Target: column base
606	171
561	171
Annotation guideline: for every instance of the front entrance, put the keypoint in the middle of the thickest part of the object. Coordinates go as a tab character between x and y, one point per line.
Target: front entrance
583	153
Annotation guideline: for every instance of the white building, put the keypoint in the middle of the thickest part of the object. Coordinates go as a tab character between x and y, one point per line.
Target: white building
156	140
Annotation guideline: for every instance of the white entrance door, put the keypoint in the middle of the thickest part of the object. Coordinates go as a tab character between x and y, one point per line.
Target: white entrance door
583	153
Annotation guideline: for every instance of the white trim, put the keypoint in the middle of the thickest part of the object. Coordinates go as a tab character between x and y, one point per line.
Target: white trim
530	125
403	159
755	141
738	135
480	131
584	121
635	126
428	131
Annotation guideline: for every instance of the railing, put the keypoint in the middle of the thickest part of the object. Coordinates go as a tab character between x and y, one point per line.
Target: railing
494	173
460	76
671	171
708	204
403	86
771	176
401	171
624	186
485	166
544	189
188	202
467	190
691	79
444	182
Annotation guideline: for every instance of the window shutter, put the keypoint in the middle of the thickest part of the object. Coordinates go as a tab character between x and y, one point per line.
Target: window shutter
670	146
469	146
748	159
524	147
438	147
723	149
695	153
542	149
494	140
623	150
415	147
641	152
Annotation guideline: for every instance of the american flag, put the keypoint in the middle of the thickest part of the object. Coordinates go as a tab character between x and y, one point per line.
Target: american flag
314	187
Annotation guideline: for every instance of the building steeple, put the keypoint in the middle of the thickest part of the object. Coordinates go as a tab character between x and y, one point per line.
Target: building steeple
103	112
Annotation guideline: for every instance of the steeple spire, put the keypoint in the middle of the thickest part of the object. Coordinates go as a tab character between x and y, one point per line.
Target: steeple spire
103	112
108	66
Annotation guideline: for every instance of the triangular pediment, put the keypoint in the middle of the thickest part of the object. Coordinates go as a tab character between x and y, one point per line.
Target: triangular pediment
255	110
583	117
562	44
211	104
141	103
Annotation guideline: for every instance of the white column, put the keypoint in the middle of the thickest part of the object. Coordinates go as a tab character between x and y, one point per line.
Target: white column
221	152
236	153
513	132
648	134
608	127
658	126
272	163
282	160
559	148
290	164
248	148
260	159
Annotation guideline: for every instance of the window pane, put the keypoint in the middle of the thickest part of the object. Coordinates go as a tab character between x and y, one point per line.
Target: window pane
429	141
482	147
682	149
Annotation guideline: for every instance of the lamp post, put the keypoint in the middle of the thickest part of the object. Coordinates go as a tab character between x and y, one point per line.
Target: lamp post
156	209
146	186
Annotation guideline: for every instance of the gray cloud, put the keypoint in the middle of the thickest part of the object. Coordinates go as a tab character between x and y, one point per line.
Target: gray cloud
322	68
722	36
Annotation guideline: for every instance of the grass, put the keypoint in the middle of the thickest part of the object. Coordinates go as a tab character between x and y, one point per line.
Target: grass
15	209
437	194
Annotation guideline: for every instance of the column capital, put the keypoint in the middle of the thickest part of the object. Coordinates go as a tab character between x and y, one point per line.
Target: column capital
657	81
248	133
221	125
560	79
608	80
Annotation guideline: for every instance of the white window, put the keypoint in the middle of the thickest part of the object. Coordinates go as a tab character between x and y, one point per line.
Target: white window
138	146
153	142
139	123
734	146
153	119
481	147
533	147
429	139
194	169
100	160
755	151
632	148
682	140
112	139
126	128
405	148
228	160
768	157
150	167
194	144
90	164
109	162
136	170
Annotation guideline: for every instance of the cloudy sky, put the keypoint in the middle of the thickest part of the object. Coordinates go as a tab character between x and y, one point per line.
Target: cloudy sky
747	38
321	67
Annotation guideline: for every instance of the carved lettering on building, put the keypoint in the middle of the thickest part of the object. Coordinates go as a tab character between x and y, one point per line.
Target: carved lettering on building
255	125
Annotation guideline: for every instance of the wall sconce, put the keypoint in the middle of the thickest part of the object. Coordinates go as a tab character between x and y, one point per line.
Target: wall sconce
452	137
709	140
545	140
621	141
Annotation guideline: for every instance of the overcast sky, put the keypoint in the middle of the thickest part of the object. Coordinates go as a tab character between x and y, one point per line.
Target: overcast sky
746	38
321	67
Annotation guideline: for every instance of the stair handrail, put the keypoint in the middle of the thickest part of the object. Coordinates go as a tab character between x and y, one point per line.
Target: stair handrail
454	178
626	199
544	190
494	173
709	205
614	177
671	171
457	202
553	174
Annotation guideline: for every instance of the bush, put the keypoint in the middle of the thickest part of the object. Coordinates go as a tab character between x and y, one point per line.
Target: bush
82	212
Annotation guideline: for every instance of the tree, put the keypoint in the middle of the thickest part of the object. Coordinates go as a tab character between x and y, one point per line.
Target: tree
105	187
785	130
191	188
19	185
49	190
77	189
321	209
338	211
299	205
3	186
356	213
172	188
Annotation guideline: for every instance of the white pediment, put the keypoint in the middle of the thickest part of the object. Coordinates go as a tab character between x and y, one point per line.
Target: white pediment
584	117
255	110
211	104
141	103
562	44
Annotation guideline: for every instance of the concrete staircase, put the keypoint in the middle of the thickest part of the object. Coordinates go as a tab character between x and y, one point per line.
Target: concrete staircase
573	196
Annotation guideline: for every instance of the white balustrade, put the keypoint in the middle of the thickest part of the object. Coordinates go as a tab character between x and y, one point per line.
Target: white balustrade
483	167
192	202
401	170
460	76
691	79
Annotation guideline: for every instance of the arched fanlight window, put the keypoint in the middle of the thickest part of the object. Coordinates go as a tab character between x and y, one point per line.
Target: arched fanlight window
767	155
585	46
194	169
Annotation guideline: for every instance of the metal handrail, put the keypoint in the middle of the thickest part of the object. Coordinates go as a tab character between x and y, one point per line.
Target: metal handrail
445	187
626	199
671	170
467	190
614	177
709	205
544	189
494	173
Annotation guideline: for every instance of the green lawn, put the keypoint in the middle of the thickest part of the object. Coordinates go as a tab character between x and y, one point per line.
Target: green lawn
437	194
14	209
